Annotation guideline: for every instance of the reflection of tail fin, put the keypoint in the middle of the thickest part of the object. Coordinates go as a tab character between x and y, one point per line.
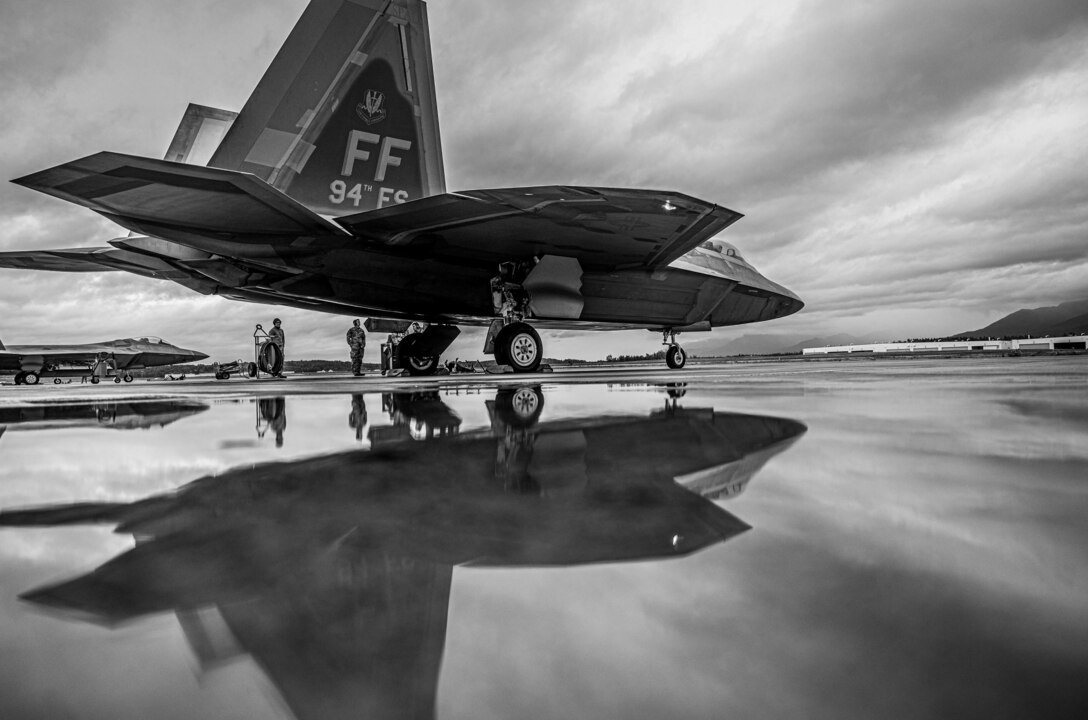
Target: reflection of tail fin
345	120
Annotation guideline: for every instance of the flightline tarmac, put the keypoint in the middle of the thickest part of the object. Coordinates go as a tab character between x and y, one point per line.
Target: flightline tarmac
893	538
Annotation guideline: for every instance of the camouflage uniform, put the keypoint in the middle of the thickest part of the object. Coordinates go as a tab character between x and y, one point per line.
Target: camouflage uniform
357	343
277	336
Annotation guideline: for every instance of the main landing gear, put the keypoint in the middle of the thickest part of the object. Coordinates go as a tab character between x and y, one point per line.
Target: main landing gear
412	347
518	345
28	377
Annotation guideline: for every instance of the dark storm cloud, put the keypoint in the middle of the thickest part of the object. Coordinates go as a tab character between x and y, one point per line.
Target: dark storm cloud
845	83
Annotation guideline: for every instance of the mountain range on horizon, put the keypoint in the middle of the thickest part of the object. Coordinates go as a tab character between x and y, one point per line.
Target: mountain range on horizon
1068	318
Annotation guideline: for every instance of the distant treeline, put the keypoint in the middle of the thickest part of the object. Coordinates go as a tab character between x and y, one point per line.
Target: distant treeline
659	355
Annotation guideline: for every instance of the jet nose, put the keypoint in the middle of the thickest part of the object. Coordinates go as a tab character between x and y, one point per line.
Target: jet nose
181	356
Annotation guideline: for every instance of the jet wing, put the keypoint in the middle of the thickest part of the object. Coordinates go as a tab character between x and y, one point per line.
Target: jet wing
141	192
603	228
29	357
237	214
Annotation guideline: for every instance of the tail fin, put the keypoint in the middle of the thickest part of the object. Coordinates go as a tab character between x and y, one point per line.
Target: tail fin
2	346
345	118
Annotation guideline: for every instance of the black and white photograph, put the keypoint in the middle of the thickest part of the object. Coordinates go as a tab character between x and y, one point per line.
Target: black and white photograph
487	358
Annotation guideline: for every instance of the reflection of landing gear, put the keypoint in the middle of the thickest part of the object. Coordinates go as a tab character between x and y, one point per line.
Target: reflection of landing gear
675	357
519	408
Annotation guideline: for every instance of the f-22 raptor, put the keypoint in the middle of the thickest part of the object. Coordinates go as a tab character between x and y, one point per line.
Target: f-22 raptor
112	358
327	192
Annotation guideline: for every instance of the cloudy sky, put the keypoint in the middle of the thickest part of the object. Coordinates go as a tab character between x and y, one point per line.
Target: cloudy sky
908	168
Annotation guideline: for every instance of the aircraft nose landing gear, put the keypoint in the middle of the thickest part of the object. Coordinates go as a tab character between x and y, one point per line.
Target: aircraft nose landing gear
675	357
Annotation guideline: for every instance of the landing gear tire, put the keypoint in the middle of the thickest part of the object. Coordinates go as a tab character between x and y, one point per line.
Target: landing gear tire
117	379
31	378
95	380
675	357
19	378
415	364
56	381
128	378
518	345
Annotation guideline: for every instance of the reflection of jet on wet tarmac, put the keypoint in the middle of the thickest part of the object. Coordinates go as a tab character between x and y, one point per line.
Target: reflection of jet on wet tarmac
115	415
418	415
334	573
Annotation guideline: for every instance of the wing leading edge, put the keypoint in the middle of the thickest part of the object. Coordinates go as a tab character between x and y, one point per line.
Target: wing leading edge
604	228
225	211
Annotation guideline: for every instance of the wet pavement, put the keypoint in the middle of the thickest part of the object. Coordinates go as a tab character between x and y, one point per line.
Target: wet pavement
859	539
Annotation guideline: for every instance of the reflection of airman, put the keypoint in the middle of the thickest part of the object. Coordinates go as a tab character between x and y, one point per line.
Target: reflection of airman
357	418
357	343
274	412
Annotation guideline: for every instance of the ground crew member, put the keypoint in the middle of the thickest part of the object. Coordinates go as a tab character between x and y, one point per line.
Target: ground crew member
277	336
357	343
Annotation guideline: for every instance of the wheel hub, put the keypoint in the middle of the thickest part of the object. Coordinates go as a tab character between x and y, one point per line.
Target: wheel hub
525	402
523	349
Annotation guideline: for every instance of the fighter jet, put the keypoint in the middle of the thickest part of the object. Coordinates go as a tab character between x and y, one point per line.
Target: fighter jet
113	358
334	573
327	192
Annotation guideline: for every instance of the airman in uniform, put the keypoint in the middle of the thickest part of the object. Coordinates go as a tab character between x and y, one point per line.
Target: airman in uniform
357	343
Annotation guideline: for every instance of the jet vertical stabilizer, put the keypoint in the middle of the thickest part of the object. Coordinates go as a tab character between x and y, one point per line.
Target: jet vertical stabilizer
345	118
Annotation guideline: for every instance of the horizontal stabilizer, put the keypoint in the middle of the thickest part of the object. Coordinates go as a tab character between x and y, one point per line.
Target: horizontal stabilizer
103	259
73	260
142	192
603	228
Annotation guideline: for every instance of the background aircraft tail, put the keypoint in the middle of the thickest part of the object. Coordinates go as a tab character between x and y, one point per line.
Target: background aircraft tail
345	119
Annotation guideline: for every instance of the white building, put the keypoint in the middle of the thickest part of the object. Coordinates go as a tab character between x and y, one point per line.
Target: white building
1069	342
